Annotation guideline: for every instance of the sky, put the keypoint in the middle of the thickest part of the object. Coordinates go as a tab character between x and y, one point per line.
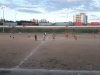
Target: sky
52	10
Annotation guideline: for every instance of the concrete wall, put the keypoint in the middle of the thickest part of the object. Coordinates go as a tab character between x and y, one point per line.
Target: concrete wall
10	23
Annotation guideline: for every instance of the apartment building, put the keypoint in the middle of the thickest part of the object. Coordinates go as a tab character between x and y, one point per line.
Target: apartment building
82	17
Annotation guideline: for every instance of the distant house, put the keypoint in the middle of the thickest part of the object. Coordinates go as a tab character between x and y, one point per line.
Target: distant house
28	23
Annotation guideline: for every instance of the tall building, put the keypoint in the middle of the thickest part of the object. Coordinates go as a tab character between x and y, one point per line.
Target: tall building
43	21
82	17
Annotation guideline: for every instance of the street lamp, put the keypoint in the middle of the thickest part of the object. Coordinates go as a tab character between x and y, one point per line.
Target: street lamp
3	7
15	16
67	16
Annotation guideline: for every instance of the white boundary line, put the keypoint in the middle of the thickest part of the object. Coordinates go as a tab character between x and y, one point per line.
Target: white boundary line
72	72
29	55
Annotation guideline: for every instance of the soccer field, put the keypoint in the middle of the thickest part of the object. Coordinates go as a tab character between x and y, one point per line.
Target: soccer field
24	53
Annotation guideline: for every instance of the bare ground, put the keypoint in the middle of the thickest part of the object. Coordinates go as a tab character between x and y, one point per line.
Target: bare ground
62	54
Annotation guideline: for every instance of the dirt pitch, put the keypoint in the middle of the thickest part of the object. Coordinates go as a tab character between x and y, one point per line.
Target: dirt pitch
58	54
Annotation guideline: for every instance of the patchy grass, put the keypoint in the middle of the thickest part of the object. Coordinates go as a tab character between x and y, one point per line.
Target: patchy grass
41	64
2	72
64	65
53	60
12	54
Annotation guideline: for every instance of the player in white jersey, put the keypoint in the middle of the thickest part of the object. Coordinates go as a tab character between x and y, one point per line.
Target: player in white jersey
28	34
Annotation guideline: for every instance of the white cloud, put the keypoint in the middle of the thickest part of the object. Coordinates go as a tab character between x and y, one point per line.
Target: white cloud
52	11
75	0
81	7
96	3
93	16
5	1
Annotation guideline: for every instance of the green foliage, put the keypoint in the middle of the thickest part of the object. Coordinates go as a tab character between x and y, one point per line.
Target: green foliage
90	31
48	30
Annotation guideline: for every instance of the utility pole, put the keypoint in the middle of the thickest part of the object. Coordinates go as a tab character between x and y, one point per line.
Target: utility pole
3	7
15	16
67	16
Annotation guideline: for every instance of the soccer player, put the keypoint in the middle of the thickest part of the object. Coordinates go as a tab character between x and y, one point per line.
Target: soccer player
45	33
10	34
53	36
44	37
94	35
19	33
29	35
35	37
13	35
75	37
66	35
